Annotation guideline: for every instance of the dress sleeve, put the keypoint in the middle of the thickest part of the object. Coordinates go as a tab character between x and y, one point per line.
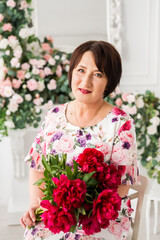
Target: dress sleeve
124	152
38	148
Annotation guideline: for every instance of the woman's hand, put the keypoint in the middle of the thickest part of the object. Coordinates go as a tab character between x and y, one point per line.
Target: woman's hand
28	219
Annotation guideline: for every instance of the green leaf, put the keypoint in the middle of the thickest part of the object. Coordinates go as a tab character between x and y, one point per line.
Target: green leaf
72	229
82	211
69	173
46	165
39	182
88	176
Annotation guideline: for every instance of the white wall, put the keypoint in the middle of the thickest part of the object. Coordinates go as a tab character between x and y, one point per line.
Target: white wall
141	52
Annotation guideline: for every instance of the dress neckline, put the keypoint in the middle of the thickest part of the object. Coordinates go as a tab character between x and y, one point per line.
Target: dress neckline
72	125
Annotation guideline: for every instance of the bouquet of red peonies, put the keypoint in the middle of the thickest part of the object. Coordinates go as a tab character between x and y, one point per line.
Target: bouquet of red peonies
81	193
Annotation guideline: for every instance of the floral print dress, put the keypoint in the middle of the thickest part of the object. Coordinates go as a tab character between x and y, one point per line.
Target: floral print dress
114	136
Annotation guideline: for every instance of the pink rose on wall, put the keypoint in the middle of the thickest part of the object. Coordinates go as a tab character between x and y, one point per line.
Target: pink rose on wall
46	47
59	71
23	5
41	73
16	83
118	102
47	71
21	74
65	144
52	84
130	110
32	84
1	17
7	27
11	3
25	66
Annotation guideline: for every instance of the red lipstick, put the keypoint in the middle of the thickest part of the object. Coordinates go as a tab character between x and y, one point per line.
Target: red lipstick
84	91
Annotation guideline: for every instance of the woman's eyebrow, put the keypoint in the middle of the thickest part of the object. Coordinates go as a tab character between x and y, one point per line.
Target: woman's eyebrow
96	70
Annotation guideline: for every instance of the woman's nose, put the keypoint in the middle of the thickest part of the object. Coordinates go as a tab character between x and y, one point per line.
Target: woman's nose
87	79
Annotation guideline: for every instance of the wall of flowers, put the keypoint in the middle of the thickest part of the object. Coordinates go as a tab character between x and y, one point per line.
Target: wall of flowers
33	75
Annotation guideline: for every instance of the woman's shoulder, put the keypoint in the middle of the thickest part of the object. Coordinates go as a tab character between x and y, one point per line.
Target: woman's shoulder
120	114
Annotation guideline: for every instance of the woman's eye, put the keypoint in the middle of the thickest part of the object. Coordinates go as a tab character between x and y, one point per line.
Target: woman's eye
80	70
99	75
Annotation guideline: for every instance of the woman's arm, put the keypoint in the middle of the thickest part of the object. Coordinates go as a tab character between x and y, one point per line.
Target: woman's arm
123	190
35	195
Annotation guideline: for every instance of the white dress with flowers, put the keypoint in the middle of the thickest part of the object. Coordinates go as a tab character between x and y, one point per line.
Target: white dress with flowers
114	136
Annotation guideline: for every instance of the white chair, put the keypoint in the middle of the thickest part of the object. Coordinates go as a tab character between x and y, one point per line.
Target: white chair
153	195
138	222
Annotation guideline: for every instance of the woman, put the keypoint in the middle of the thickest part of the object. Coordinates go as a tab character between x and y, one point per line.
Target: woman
95	71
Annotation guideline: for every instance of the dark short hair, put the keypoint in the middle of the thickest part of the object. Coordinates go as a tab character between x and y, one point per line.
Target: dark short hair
107	60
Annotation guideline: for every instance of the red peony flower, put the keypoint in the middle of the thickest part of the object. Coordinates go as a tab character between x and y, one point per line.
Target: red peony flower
110	177
69	193
91	160
57	219
90	224
106	207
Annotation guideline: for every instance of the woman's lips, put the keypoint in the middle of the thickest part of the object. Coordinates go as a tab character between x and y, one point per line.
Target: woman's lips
84	91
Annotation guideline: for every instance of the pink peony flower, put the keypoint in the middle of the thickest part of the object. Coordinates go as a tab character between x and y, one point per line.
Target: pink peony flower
21	74
1	17
125	223
118	102
64	145
57	219
106	207
119	155
7	27
118	111
32	84
102	147
11	3
112	95
126	136
116	229
69	194
59	71
16	83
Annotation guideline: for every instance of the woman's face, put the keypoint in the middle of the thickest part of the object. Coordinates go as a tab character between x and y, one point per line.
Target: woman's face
88	83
